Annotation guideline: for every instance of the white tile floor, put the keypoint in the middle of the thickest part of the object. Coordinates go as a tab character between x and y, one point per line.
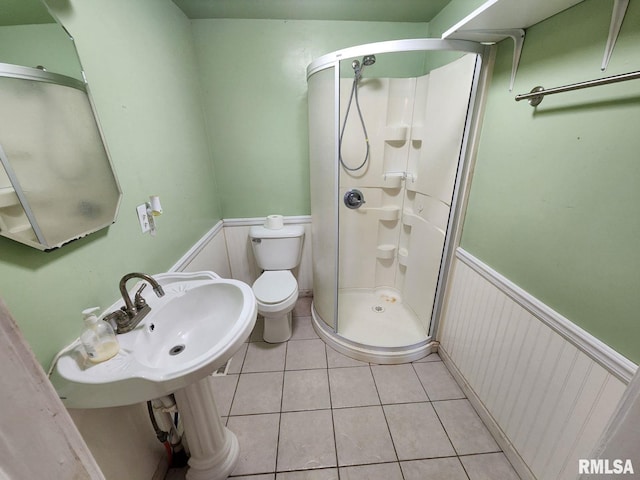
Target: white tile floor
302	411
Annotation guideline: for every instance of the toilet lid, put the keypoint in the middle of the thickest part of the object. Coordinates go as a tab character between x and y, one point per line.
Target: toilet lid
274	286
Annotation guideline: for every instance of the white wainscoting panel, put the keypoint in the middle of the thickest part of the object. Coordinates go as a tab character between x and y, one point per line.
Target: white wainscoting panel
211	256
548	397
241	259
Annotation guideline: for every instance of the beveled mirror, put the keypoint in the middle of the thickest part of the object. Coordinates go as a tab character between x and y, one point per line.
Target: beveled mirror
57	183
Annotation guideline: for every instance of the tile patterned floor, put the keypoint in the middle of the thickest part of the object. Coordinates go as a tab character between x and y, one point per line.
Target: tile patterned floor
302	411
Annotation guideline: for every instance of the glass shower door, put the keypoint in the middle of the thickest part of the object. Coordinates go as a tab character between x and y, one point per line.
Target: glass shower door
324	188
401	133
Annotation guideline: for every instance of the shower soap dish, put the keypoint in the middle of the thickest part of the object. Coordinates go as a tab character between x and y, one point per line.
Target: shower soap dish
386	251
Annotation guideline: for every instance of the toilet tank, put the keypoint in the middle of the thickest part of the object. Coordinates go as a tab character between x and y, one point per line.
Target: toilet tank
277	249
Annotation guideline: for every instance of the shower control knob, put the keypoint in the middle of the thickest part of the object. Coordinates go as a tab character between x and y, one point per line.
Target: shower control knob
354	199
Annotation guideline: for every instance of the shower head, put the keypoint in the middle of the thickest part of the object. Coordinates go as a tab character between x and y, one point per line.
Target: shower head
358	67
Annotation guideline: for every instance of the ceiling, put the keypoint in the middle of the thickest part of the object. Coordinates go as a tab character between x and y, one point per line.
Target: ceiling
363	10
25	12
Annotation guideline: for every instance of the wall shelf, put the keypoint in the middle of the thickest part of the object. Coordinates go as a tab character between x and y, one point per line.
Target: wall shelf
507	14
496	20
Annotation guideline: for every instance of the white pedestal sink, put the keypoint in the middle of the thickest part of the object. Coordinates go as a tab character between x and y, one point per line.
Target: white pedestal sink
191	331
213	447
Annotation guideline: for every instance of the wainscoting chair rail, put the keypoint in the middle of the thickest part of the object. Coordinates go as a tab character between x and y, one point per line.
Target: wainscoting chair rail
612	361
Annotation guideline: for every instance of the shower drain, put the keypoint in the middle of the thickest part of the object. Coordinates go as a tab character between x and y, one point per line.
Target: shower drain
378	309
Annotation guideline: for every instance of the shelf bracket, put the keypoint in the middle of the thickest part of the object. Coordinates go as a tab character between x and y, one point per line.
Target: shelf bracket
617	16
494	36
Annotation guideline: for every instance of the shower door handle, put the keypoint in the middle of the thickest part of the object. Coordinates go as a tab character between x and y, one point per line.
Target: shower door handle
354	199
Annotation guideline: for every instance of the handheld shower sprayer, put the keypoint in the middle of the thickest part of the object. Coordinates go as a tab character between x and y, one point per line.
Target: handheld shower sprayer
367	60
357	69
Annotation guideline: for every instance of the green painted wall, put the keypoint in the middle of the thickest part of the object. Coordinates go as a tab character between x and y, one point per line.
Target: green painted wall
44	44
555	198
255	97
146	83
23	12
142	72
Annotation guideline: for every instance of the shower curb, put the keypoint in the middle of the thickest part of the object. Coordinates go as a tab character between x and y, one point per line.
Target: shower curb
366	353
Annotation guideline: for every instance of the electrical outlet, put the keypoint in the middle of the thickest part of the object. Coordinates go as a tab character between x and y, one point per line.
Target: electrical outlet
143	218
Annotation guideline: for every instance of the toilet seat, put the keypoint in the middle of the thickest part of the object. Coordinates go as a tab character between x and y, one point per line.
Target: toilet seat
273	287
276	293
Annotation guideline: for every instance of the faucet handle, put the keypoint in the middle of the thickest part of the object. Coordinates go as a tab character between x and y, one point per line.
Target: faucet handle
139	302
116	319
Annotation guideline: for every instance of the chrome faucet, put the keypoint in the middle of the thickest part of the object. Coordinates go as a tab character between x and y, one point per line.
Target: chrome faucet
129	316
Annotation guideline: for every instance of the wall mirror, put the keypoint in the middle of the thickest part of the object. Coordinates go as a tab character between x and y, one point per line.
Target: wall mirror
57	183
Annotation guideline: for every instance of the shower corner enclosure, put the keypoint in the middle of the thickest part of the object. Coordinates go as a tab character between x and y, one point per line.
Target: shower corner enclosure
389	144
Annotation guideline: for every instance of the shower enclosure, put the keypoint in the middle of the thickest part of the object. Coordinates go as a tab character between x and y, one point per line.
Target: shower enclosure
389	127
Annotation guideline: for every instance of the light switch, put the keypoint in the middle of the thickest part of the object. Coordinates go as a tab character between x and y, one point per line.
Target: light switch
143	218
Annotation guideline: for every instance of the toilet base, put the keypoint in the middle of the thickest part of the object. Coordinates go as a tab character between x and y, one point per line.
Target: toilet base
277	329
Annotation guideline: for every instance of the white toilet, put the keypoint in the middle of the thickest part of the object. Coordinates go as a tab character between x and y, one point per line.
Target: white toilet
276	290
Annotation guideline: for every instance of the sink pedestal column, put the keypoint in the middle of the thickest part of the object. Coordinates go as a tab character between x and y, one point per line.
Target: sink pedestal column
213	447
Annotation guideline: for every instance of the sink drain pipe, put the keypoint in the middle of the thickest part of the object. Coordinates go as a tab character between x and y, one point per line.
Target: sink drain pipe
160	413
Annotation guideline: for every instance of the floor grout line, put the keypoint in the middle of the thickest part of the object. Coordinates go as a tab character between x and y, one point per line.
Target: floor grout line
386	420
286	349
338	468
333	420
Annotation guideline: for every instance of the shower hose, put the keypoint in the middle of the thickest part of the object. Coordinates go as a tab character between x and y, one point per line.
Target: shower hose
354	93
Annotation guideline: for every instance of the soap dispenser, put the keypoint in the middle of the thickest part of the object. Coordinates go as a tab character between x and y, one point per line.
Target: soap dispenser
97	338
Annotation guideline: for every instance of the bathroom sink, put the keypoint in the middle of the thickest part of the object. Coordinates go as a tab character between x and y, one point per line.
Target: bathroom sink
190	332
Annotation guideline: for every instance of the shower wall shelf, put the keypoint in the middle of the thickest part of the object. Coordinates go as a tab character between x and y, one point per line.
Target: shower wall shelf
403	256
419	133
394	179
386	252
409	219
396	133
389	213
399	175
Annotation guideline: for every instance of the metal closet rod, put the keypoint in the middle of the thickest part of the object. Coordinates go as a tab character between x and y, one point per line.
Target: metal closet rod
537	94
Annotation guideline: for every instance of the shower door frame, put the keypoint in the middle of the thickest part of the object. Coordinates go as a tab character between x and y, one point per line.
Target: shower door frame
484	60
